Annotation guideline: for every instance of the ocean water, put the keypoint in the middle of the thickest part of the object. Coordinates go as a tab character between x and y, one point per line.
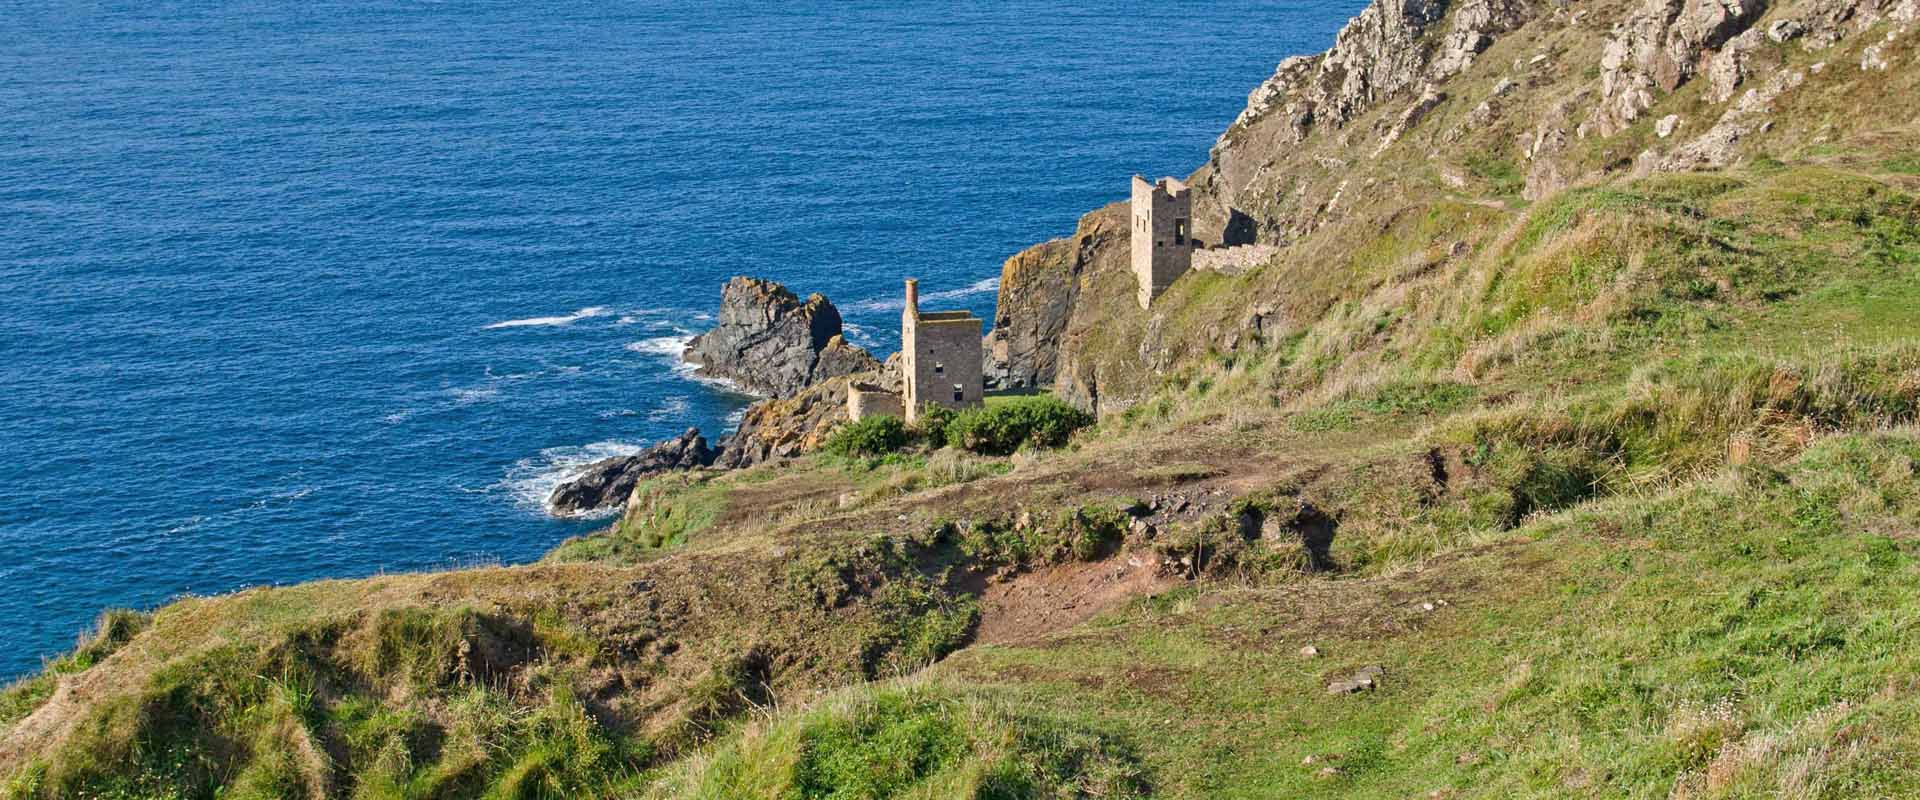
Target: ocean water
292	290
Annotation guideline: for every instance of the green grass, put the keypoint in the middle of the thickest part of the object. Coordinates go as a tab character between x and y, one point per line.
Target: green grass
917	740
1744	636
1622	486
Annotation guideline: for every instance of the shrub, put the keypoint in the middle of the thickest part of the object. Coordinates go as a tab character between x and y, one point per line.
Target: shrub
932	425
868	437
999	429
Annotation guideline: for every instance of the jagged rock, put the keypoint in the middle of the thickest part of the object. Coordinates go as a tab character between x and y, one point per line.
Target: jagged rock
841	358
1719	146
1545	174
786	427
1731	65
1873	59
769	342
1429	99
1037	289
608	482
1664	128
1659	47
1782	31
1377	55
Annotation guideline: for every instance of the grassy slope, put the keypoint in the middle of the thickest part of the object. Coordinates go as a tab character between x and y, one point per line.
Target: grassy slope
1645	445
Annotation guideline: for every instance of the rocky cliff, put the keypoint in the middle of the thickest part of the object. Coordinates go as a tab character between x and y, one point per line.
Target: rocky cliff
770	342
1508	360
1430	112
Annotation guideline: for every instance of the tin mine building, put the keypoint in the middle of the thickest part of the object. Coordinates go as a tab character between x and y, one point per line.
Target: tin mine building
1162	235
940	357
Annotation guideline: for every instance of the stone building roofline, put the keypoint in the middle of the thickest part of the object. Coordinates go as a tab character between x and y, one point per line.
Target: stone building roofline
947	316
1169	186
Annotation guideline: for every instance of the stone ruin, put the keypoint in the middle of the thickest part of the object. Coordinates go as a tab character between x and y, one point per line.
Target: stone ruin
1163	244
940	364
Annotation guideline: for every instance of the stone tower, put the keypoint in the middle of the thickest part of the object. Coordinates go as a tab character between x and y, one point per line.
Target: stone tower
1162	235
940	357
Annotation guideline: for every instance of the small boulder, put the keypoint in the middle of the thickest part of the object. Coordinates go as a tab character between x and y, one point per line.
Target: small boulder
1366	679
1664	128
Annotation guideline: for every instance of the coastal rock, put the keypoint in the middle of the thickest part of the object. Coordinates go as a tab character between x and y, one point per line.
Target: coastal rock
1378	55
772	343
790	426
1366	679
1037	289
608	482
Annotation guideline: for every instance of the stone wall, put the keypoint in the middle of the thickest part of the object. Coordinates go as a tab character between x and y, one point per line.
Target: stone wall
1233	260
864	400
941	352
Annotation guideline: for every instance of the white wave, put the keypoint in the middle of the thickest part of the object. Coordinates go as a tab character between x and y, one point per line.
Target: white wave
673	408
585	313
734	419
859	335
663	346
530	481
691	372
899	303
473	394
639	315
612	413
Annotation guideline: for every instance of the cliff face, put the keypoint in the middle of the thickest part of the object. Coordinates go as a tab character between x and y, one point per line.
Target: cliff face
1427	112
769	342
1037	291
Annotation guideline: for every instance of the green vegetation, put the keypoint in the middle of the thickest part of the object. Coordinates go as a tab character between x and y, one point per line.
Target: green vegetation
1619	488
112	631
912	741
1001	427
869	437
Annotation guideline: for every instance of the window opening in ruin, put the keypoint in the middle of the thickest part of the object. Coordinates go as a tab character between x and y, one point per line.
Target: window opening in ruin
1179	231
959	393
939	369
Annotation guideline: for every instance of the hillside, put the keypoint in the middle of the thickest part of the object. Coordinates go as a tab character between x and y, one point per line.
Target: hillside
1563	444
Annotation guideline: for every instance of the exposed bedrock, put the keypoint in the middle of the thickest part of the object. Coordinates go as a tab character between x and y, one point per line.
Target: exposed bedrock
608	482
785	427
1037	287
772	343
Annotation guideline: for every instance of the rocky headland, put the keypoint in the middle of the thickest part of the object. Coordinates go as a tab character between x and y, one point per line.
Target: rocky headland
1557	439
770	342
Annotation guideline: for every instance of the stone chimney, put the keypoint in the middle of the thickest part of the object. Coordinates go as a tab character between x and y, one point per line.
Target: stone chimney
913	297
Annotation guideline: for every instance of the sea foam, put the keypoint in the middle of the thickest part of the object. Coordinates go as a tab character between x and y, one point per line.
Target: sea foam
664	346
530	481
529	322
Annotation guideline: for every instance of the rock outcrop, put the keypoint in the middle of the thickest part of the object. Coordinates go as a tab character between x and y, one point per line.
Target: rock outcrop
608	482
790	426
1037	288
770	342
1381	53
1658	48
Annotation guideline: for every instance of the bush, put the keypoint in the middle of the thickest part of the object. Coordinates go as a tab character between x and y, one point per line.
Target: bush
868	438
999	429
932	425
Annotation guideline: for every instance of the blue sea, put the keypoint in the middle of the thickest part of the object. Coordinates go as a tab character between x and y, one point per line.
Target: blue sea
292	290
